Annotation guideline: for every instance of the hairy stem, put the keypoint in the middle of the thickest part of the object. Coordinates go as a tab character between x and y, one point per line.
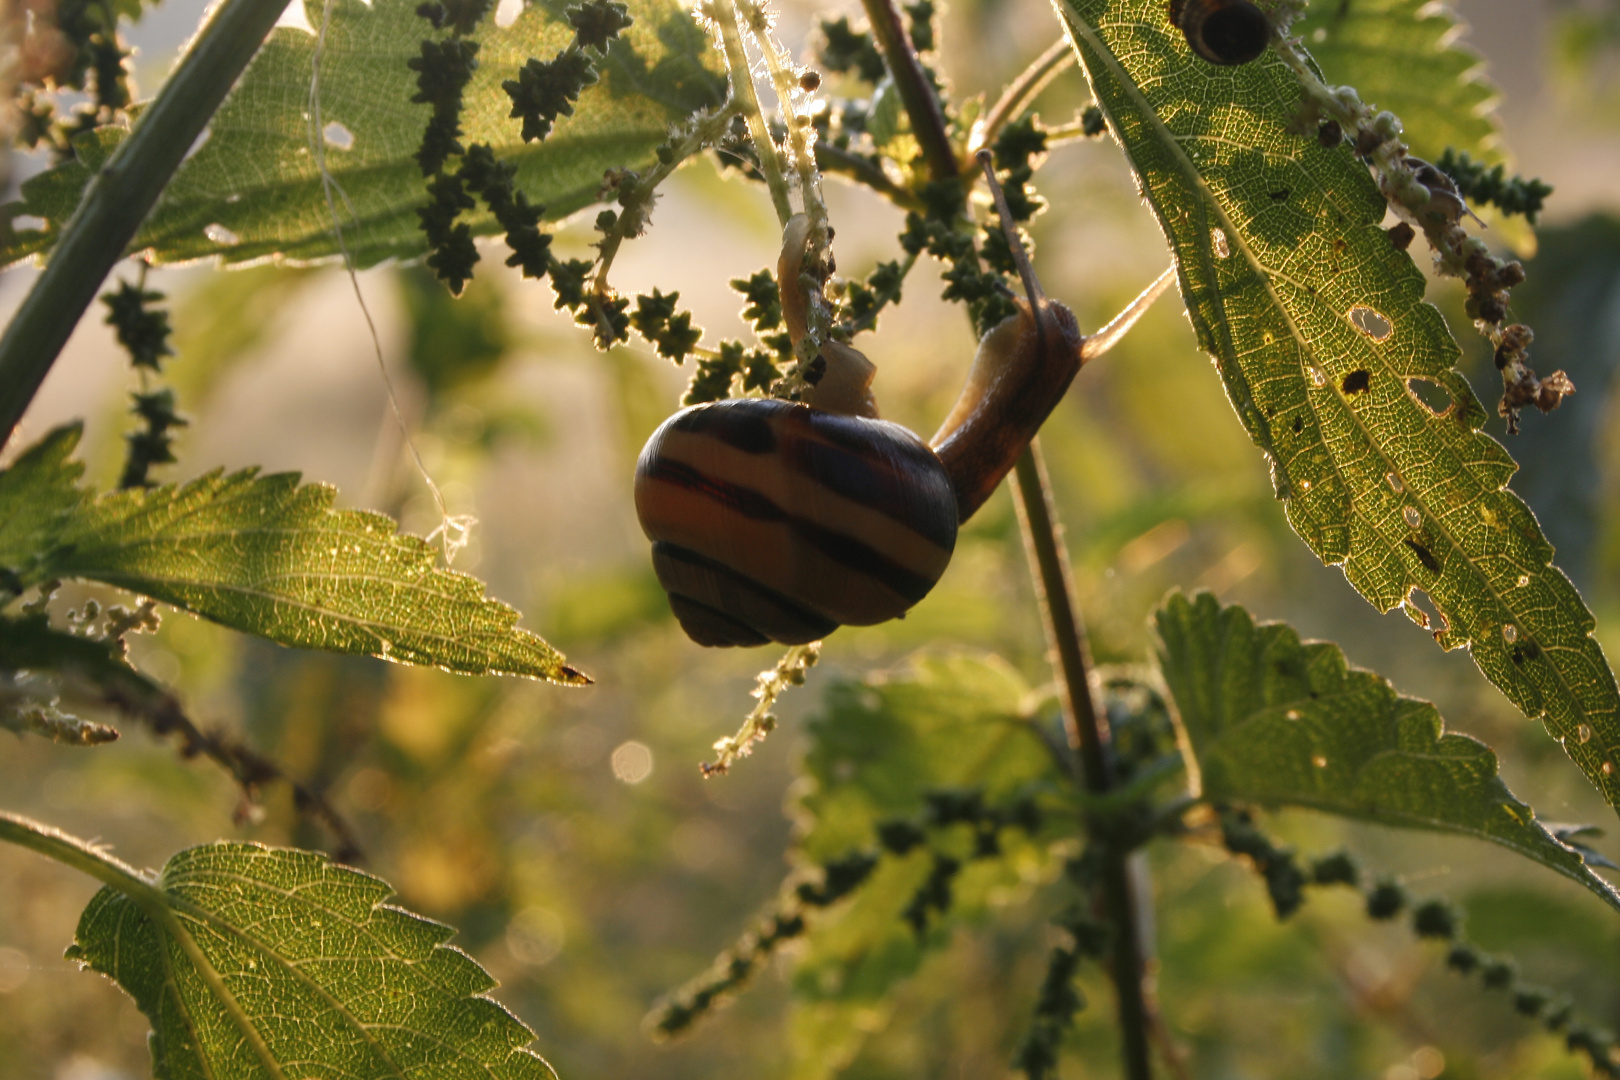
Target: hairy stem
1089	734
119	196
80	855
831	159
1022	90
916	92
723	13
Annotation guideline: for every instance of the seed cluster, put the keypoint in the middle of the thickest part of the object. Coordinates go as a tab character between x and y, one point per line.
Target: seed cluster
1432	919
839	878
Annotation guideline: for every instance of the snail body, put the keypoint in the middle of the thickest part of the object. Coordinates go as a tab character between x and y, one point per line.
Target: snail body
1223	32
781	521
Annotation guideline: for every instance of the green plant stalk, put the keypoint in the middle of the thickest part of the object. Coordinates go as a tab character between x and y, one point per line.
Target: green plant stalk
1024	89
724	15
1088	733
120	195
916	93
81	856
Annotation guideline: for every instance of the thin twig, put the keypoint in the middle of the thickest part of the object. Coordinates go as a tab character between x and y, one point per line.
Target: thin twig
916	92
159	710
1089	733
1024	89
832	159
723	13
119	196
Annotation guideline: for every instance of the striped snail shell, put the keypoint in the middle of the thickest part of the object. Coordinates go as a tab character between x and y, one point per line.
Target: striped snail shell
774	521
778	521
1222	31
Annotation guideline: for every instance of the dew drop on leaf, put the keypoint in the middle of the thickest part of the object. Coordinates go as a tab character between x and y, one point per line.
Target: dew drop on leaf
1412	517
1304	485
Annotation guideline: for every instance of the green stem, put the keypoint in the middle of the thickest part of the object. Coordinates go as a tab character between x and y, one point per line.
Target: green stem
742	88
119	196
831	159
80	855
1088	733
916	92
1022	90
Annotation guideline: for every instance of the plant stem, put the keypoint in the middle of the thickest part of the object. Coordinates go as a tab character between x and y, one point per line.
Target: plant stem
916	92
831	159
80	855
1088	732
1022	90
724	15
118	197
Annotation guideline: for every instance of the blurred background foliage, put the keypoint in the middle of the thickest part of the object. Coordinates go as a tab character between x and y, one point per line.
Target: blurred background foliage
569	835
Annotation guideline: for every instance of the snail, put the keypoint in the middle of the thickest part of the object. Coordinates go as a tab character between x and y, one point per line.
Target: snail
781	521
1222	31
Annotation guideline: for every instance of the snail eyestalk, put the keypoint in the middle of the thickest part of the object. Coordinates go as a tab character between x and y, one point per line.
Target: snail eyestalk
1109	336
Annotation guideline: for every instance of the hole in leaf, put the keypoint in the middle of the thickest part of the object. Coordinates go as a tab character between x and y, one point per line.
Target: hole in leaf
1424	556
1371	323
1434	397
1217	237
338	136
507	11
219	234
30	222
294	17
1421	610
199	142
1356	382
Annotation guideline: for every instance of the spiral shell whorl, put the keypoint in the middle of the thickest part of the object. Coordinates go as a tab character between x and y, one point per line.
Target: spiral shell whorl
775	521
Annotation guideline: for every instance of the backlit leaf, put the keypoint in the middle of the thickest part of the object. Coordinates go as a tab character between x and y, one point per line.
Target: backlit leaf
878	746
253	189
252	962
1274	721
268	556
1409	57
1320	332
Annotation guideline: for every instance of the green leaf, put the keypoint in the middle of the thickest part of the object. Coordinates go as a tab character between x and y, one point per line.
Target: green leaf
1271	720
37	493
253	189
257	962
1408	56
1279	246
268	556
877	747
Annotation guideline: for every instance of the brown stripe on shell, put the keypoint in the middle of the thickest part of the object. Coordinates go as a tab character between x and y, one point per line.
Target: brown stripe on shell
794	531
729	606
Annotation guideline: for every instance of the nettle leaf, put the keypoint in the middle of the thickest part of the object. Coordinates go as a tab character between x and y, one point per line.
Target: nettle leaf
1271	720
258	962
1320	332
37	492
1408	56
253	189
269	556
877	748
